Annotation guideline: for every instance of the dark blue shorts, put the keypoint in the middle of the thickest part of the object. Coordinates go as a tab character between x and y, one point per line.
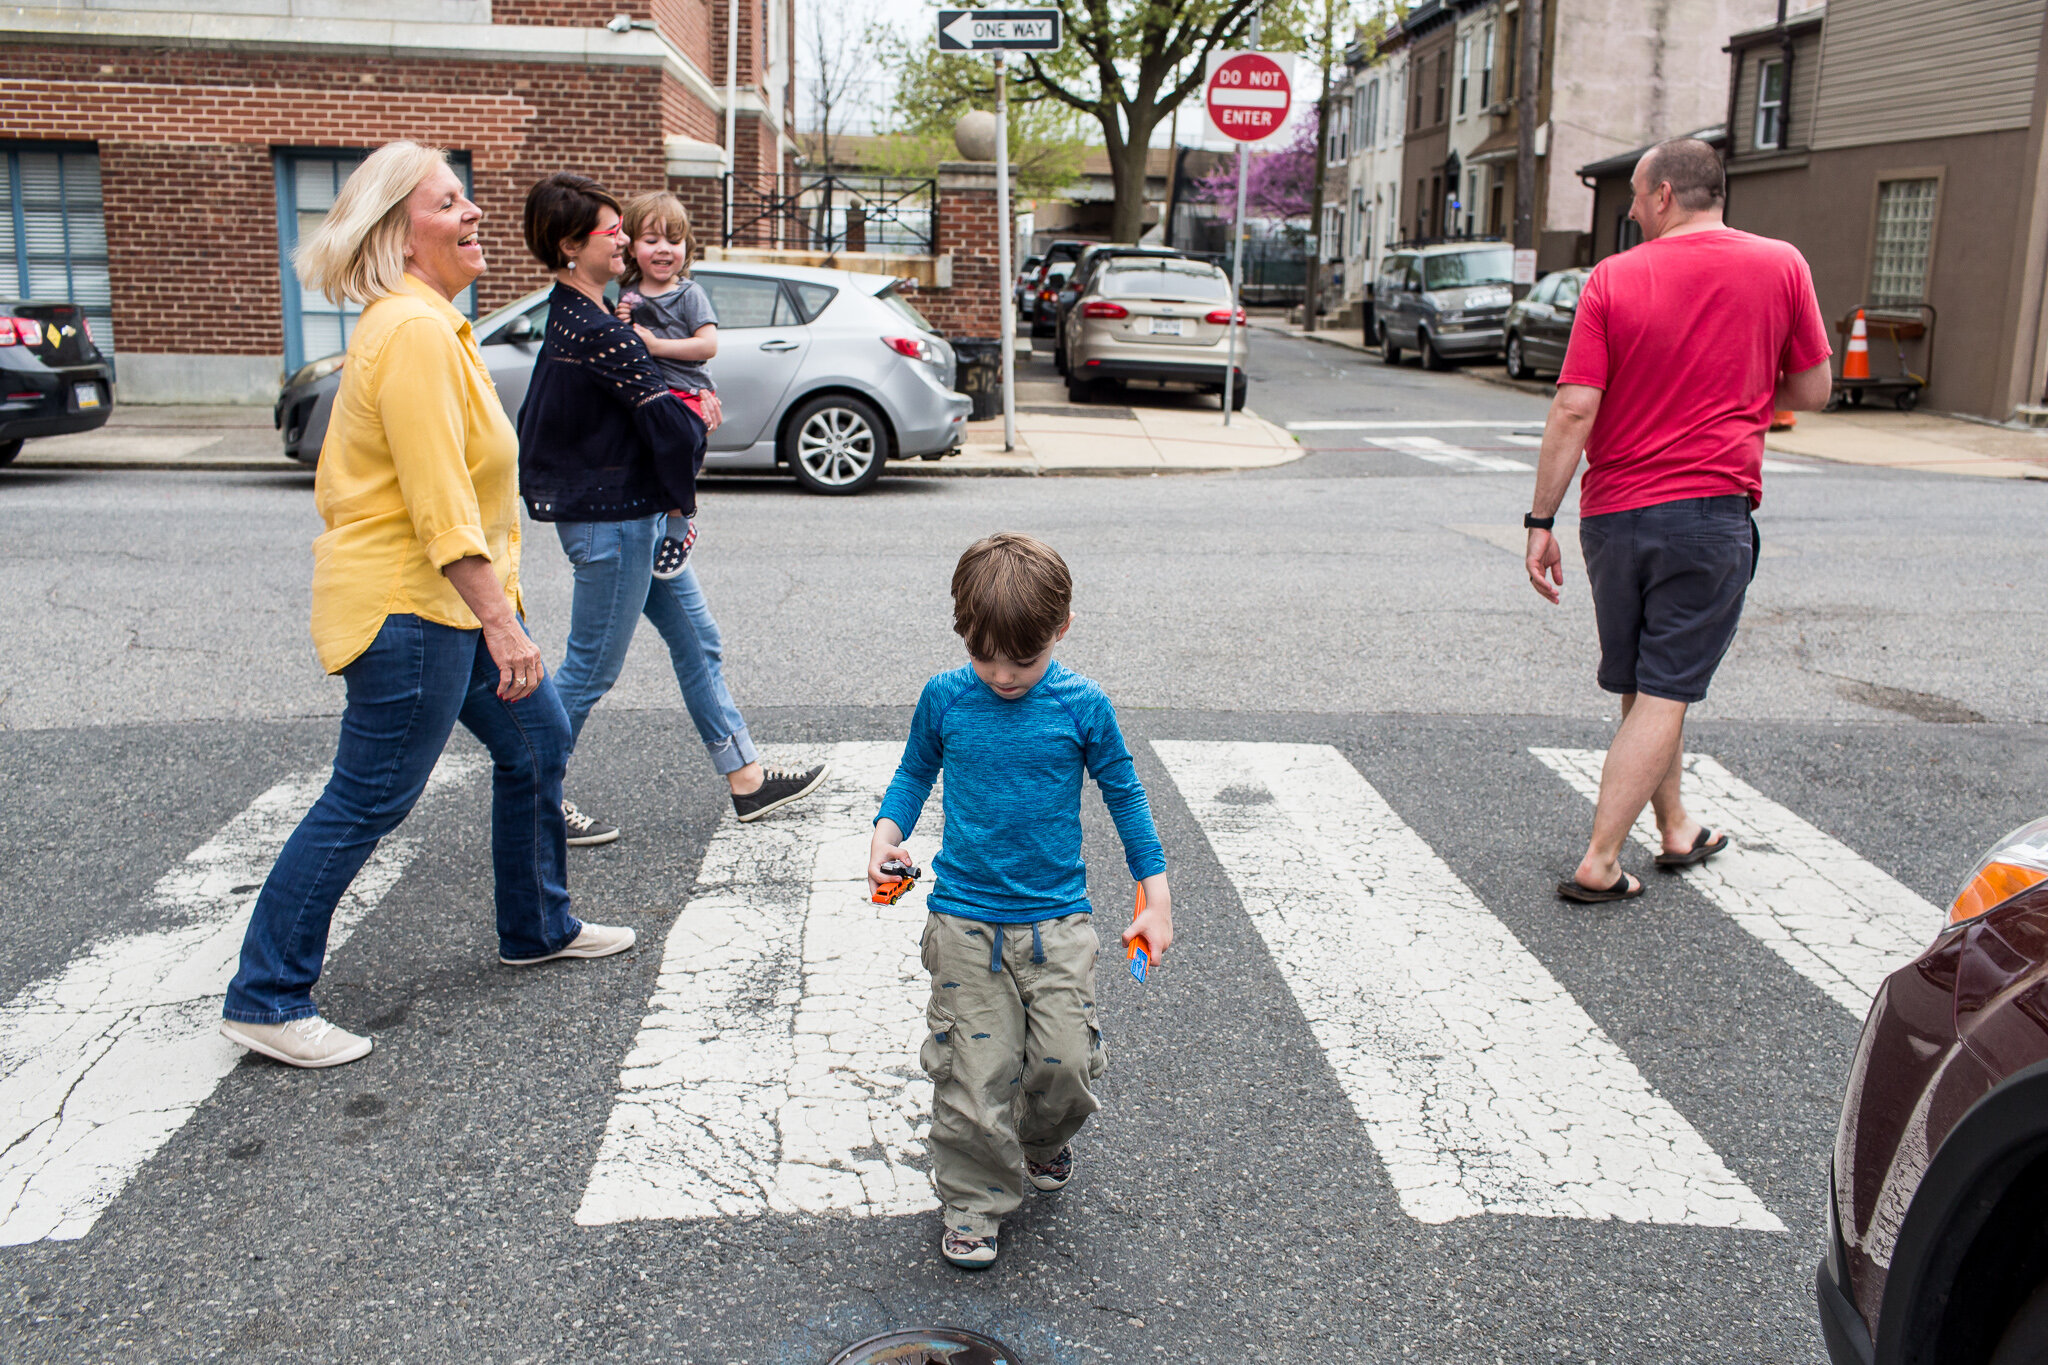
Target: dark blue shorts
1668	582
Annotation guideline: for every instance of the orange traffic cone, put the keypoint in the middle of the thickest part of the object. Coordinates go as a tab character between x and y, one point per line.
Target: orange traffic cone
1856	363
1784	421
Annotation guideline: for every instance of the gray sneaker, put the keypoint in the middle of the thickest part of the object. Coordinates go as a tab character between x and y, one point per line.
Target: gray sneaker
968	1252
596	940
586	831
310	1042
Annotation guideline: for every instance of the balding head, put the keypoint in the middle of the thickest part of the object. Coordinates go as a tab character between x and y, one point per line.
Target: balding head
1690	167
1678	185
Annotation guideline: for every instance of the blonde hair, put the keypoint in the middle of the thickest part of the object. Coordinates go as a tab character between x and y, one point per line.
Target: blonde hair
658	209
358	251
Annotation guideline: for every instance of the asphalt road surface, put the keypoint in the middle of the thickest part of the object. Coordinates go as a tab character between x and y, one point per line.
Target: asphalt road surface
1391	1101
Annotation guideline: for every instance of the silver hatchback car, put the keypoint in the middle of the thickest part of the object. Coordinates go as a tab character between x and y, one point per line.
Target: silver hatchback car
827	373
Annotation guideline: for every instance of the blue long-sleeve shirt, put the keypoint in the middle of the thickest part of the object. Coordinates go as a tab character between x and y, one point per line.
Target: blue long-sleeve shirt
1011	853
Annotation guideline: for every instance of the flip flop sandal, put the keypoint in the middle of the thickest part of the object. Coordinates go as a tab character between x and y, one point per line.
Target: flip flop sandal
1702	849
1572	890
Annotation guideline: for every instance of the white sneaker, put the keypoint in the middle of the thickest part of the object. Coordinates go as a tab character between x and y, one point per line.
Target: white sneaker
310	1042
596	940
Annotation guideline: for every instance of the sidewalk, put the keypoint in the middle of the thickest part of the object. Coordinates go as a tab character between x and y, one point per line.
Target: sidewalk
1154	433
1922	441
1170	432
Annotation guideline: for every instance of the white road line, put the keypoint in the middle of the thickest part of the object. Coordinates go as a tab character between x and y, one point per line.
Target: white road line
101	1063
1831	915
1451	457
1433	424
776	1068
1516	438
1482	1084
1788	467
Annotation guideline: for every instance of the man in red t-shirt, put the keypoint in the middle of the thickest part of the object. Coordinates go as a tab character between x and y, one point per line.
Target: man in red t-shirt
1680	349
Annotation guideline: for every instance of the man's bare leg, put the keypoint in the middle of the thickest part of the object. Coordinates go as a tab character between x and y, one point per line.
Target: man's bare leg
1643	765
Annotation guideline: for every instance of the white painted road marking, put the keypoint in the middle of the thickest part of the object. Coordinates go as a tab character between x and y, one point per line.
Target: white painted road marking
1771	466
103	1062
1483	1085
1450	456
776	1069
1433	424
1516	438
1834	918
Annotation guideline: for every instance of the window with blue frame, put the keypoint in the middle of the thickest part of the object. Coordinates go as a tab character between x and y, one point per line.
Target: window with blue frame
53	233
307	182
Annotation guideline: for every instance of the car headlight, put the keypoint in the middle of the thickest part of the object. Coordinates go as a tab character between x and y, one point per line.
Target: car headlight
2016	862
317	369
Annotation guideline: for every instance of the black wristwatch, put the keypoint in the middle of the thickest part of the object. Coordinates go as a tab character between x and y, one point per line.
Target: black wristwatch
1535	523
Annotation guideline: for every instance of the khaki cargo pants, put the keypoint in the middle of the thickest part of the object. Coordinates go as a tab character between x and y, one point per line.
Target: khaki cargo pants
1011	1053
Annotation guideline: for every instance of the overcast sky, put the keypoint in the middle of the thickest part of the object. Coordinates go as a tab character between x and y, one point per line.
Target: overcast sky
867	102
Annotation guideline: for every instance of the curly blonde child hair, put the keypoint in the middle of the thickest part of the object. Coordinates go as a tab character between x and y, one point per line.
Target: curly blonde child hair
659	209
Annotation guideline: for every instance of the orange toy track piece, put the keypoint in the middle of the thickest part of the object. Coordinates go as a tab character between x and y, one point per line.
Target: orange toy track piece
1139	954
902	876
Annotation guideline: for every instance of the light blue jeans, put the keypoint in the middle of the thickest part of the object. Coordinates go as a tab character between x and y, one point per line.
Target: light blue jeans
615	586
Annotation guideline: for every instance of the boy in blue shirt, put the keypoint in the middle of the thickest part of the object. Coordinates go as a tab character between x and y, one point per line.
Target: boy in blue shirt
1012	1042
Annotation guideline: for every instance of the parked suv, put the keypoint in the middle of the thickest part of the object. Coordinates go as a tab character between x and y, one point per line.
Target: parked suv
57	382
1445	302
1159	319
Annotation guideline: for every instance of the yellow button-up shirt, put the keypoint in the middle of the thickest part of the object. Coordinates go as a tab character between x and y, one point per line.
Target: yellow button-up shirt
419	469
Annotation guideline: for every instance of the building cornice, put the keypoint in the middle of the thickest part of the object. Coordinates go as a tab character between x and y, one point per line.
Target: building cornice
389	38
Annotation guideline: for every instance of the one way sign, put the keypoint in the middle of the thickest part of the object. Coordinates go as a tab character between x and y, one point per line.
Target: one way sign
999	30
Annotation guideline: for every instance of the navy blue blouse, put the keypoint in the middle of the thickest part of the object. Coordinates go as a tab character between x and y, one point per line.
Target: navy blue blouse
595	413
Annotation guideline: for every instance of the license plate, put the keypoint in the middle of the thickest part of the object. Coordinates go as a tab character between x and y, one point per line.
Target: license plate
88	395
1166	327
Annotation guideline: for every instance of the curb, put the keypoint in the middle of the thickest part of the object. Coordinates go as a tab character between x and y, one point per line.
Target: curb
1535	388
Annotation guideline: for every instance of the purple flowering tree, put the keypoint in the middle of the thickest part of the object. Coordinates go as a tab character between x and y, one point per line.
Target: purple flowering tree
1279	184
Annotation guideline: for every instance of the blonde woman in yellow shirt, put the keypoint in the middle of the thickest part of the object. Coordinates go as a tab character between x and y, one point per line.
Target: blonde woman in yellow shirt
415	604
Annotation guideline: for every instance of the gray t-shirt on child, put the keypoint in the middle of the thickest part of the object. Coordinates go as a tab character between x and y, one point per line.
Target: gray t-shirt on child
676	316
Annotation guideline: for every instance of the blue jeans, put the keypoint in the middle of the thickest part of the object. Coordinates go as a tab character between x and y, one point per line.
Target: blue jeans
405	693
615	586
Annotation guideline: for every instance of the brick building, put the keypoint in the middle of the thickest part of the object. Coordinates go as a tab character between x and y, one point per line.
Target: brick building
159	161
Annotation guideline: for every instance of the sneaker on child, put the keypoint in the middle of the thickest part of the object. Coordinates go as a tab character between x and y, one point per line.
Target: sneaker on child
969	1253
672	556
1054	1174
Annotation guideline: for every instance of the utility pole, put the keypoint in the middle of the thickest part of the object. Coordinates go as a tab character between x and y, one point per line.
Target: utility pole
1313	298
1527	67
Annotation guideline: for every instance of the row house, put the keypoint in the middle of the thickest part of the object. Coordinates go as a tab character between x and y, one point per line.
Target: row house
159	161
1899	144
1611	76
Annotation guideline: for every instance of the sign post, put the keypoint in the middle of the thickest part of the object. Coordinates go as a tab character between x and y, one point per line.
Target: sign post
1002	31
1249	96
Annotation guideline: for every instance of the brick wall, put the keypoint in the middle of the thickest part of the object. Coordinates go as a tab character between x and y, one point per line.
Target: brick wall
186	139
972	307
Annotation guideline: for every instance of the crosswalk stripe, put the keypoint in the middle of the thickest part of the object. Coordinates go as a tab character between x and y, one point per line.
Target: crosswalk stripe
1439	452
776	1069
1482	1084
1445	424
1516	438
1832	916
102	1062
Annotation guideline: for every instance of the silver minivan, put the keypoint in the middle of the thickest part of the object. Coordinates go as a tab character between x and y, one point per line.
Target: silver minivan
1445	302
829	374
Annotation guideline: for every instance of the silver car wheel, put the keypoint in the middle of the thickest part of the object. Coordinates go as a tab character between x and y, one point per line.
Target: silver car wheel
836	446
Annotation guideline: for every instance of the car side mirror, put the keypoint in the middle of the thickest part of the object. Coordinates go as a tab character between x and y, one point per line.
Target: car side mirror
1571	307
521	330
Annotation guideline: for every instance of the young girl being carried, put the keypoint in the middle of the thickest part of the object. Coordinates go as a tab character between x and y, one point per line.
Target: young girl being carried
673	315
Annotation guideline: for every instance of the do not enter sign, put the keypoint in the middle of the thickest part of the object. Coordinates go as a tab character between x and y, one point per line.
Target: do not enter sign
1250	94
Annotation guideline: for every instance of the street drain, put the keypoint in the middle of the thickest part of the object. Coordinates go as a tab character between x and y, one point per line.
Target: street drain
927	1346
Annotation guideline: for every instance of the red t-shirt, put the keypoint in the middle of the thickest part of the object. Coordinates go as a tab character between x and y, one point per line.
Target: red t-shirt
1687	336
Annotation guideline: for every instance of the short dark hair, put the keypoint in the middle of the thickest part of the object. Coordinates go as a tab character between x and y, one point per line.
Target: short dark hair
1011	595
562	208
1693	169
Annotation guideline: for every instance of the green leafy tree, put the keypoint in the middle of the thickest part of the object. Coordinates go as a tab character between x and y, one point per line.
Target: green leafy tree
933	89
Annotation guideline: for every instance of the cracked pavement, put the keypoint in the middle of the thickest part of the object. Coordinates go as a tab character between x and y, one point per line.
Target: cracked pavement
1323	1136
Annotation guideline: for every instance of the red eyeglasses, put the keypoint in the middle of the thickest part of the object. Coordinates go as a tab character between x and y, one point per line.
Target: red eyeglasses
611	231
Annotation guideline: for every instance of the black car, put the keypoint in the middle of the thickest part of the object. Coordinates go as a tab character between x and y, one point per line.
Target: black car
57	382
1539	326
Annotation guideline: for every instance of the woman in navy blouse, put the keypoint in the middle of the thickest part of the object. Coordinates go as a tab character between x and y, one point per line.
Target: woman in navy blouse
604	451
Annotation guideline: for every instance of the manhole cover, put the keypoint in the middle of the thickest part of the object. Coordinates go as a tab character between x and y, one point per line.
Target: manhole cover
927	1346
